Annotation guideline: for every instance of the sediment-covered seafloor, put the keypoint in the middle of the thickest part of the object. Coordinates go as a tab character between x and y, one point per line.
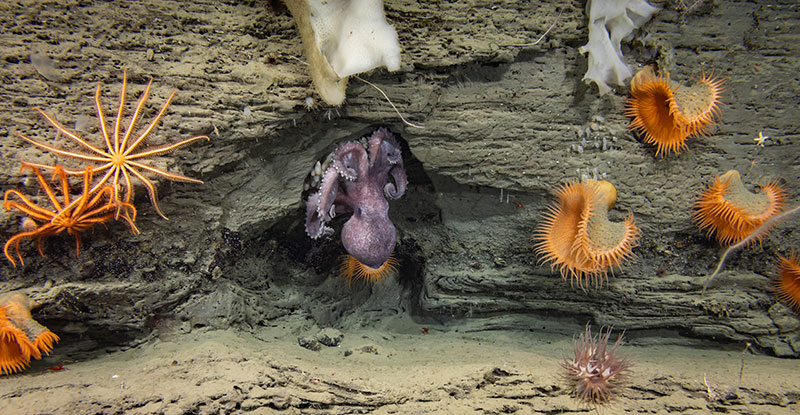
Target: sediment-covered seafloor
505	123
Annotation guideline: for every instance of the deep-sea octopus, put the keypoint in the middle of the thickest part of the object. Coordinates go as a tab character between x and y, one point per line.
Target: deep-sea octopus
357	182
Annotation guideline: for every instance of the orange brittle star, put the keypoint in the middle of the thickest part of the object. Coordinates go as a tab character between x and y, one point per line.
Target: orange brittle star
120	158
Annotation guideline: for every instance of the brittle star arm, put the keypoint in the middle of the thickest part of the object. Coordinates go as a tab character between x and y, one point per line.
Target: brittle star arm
139	106
62	212
150	127
47	188
118	120
66	153
165	149
66	132
171	176
151	190
29	208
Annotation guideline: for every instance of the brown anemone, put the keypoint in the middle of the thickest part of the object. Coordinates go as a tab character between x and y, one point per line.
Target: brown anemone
597	372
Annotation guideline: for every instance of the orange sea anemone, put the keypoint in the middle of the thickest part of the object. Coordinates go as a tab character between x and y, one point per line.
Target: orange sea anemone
731	212
666	113
353	269
15	348
21	337
786	283
577	237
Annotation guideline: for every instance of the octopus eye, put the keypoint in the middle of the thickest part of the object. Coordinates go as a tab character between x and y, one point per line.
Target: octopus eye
393	155
359	212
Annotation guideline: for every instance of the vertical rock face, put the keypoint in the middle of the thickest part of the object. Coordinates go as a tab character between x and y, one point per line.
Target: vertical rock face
504	124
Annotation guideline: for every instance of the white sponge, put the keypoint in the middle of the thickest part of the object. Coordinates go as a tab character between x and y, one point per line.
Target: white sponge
354	35
610	21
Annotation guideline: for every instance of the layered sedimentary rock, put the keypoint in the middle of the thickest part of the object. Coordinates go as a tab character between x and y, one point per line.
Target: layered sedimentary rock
505	122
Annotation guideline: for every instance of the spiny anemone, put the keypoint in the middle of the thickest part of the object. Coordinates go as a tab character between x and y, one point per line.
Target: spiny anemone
596	373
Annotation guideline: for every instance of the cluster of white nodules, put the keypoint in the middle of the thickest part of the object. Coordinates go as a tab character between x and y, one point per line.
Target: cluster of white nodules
594	135
591	174
317	172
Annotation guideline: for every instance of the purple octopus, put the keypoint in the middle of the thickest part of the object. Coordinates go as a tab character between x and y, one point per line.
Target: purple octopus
357	182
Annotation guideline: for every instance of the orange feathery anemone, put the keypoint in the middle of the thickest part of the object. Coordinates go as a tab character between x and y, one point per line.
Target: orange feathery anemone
353	269
667	113
15	348
731	212
577	237
21	337
786	284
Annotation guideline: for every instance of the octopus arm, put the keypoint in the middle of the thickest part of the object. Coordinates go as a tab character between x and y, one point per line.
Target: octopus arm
398	188
315	226
343	204
384	153
377	139
351	161
320	207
